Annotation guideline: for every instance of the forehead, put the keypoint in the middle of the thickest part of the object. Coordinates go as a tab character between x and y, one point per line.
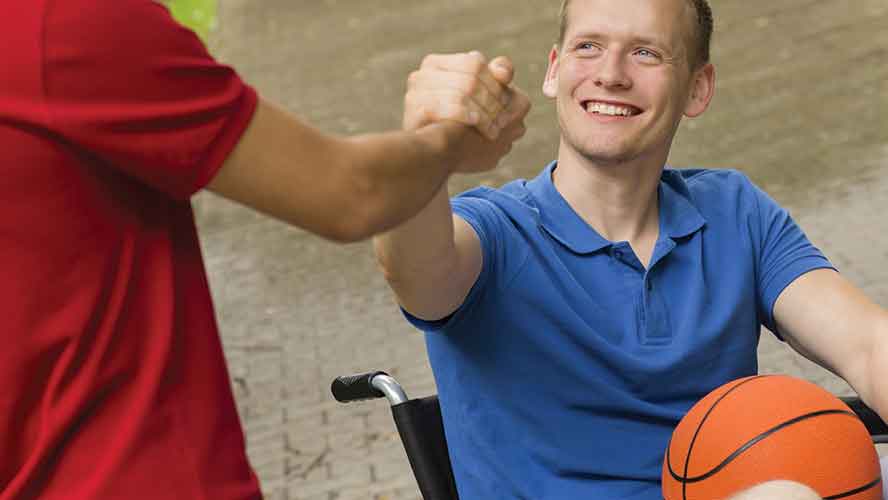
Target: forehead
666	20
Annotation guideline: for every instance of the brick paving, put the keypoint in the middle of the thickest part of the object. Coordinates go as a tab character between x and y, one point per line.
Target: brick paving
801	107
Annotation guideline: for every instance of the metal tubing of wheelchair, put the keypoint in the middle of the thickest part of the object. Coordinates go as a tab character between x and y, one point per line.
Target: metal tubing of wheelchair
390	387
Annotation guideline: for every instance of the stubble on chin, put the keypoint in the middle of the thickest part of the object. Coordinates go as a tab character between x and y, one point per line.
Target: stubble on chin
600	154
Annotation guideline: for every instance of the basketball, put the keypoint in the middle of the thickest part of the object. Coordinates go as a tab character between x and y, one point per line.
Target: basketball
770	427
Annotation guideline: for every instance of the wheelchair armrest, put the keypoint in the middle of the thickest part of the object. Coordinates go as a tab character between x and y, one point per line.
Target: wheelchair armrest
871	420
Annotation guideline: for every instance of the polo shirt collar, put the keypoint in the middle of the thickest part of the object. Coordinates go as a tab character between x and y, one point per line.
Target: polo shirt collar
678	215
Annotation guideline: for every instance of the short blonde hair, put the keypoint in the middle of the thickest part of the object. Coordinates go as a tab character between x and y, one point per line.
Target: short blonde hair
701	38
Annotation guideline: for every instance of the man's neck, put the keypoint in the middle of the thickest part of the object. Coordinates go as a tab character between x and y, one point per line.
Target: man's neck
618	200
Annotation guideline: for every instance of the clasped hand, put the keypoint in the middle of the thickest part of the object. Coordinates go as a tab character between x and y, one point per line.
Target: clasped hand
471	91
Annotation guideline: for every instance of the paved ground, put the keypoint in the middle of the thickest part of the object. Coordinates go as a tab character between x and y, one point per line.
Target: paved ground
801	106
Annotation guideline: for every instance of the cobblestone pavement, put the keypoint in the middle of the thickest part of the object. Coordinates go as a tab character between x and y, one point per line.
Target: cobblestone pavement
801	107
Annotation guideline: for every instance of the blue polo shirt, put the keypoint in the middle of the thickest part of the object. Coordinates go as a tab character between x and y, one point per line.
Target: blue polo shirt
565	370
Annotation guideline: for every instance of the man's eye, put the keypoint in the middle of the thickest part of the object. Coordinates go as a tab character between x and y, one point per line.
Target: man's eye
647	53
586	46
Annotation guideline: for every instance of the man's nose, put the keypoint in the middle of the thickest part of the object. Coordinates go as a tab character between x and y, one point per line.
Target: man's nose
611	72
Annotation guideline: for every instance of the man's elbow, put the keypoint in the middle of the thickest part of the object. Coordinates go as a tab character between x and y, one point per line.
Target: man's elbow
357	204
368	209
351	227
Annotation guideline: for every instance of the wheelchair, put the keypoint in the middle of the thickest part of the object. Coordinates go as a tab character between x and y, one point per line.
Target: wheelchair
422	431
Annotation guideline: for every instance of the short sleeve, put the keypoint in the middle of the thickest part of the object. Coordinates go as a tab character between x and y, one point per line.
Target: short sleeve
783	251
133	90
486	219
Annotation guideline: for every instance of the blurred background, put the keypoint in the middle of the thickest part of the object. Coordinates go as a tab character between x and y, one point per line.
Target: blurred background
801	106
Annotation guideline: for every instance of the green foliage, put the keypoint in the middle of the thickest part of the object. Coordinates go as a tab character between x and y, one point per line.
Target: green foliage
199	15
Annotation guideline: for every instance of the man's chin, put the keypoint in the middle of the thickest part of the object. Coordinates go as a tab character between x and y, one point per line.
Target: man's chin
606	156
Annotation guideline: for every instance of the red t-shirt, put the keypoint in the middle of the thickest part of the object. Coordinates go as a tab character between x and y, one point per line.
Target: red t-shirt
113	383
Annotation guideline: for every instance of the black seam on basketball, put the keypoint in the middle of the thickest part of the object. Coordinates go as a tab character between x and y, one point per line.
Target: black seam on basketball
684	484
759	438
854	491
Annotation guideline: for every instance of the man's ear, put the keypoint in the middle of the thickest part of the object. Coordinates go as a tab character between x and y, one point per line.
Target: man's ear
550	84
701	92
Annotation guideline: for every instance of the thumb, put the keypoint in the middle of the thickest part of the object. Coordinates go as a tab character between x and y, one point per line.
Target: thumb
502	69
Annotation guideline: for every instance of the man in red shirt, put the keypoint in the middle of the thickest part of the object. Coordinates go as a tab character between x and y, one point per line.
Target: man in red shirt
115	385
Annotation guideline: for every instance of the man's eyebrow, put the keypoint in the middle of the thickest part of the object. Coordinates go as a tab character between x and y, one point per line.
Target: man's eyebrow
642	40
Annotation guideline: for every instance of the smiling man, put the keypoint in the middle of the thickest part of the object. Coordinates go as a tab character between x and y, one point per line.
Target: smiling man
573	319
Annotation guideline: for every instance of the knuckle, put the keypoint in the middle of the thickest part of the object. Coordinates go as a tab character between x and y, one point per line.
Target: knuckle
475	55
450	111
413	78
411	101
477	66
421	110
521	130
474	62
468	85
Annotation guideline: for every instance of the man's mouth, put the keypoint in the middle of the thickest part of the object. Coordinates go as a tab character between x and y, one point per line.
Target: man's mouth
610	109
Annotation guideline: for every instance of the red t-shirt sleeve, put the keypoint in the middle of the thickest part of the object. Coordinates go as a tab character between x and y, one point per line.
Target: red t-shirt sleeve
127	85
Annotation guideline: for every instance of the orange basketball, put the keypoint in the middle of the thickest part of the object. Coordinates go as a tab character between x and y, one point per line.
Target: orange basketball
769	427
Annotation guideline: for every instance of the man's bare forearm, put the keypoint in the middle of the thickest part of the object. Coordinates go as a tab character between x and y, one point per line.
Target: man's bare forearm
394	175
420	254
344	189
876	395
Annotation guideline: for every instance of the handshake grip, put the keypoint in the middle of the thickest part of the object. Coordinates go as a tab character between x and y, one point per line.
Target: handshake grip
465	88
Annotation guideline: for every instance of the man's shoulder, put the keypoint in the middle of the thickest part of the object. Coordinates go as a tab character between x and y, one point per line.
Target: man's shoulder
500	212
512	197
721	196
708	185
710	177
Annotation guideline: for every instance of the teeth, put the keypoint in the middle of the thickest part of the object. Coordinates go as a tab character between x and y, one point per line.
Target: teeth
608	109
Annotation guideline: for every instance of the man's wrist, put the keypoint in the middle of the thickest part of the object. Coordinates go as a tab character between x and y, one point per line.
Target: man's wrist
437	141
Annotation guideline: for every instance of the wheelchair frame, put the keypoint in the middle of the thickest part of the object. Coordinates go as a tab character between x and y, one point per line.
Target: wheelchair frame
421	428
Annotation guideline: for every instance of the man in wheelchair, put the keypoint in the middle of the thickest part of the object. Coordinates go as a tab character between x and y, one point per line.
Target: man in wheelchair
572	319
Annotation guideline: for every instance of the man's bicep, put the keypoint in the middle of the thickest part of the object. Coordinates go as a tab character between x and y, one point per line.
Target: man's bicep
446	286
470	254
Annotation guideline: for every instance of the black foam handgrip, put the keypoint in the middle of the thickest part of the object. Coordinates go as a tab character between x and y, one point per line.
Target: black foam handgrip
870	419
350	388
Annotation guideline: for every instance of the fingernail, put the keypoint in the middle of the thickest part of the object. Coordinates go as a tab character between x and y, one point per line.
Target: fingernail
473	117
